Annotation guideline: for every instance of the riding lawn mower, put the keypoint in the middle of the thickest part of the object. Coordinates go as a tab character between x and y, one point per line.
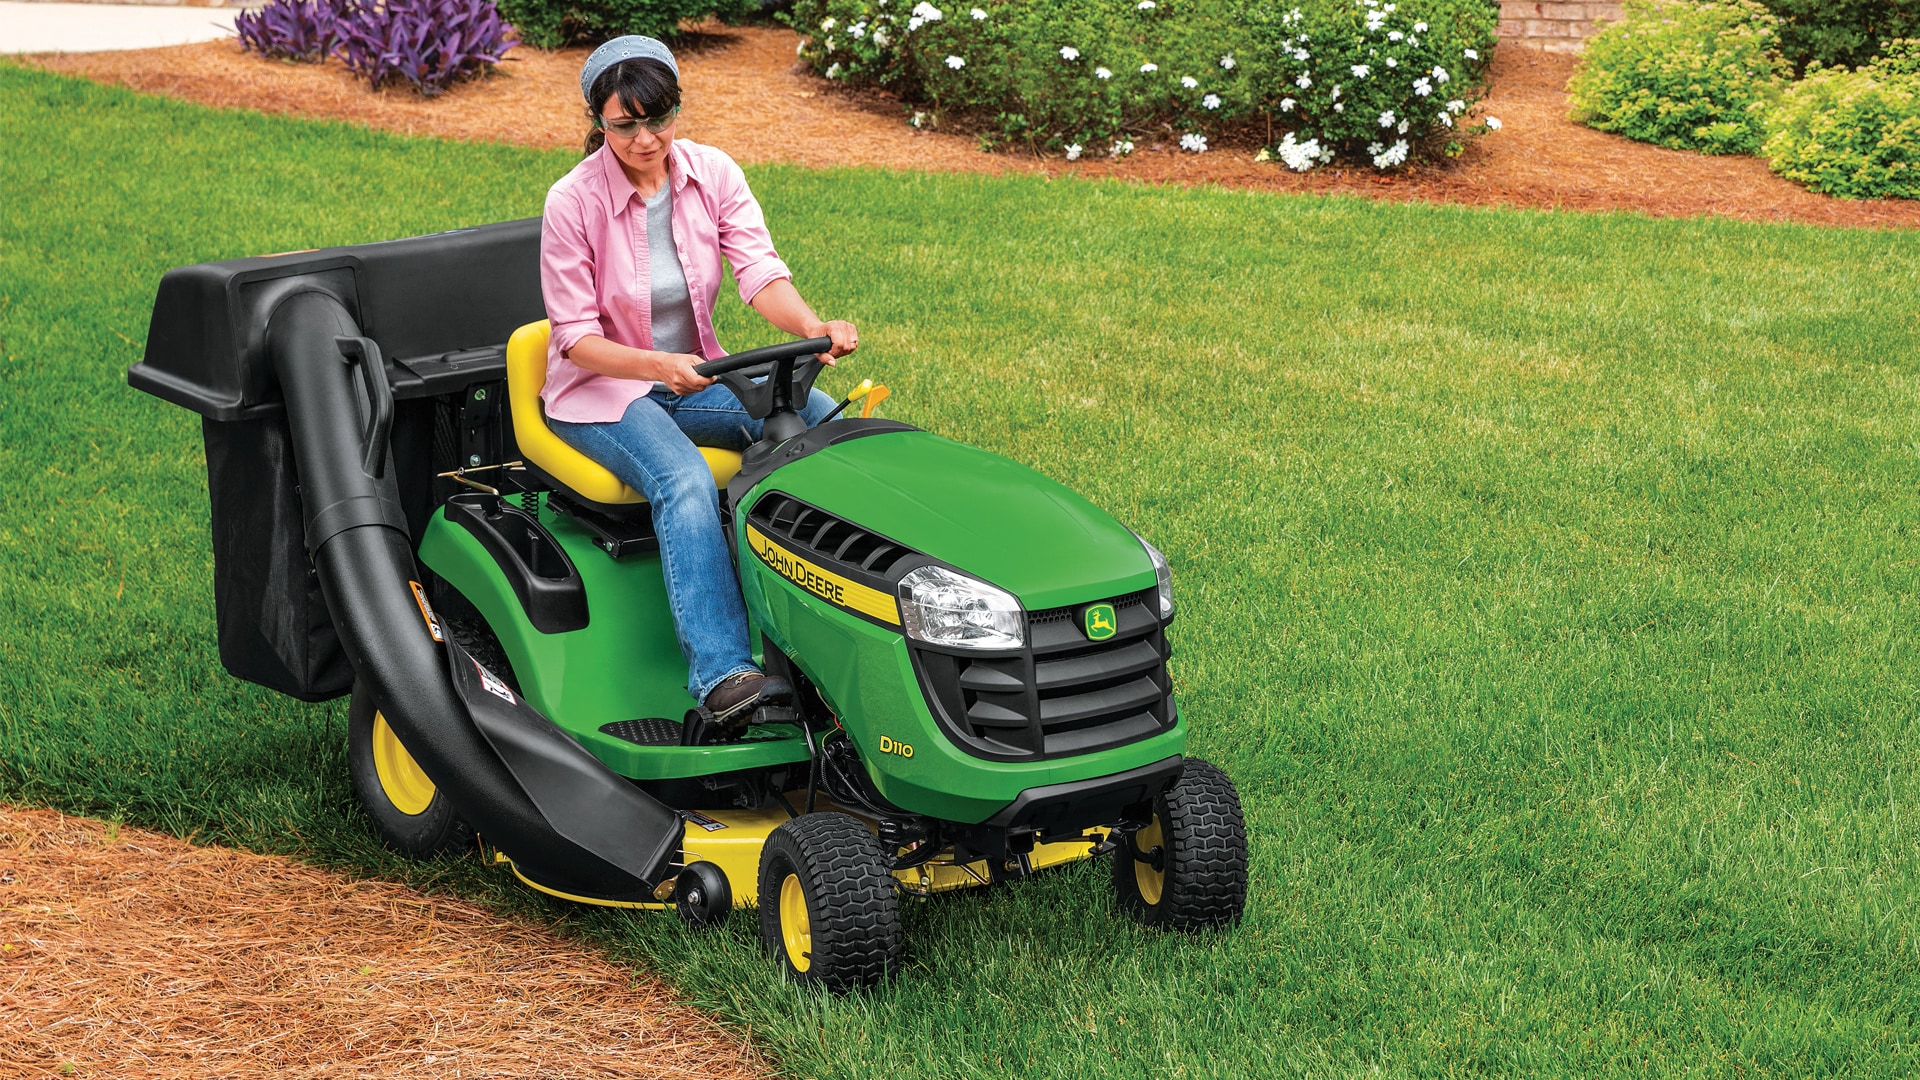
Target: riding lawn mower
978	655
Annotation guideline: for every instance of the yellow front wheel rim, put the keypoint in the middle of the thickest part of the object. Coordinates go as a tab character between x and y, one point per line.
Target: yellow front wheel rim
1152	883
795	929
406	786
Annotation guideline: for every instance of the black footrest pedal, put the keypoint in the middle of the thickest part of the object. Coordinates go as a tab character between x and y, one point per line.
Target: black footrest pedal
702	728
774	714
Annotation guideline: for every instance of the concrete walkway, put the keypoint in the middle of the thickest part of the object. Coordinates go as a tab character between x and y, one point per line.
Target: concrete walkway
43	27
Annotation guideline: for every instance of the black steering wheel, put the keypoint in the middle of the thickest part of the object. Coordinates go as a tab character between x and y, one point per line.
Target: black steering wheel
769	354
785	373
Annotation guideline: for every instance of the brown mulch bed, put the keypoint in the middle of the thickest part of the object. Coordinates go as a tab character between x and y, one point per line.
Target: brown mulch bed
745	95
129	953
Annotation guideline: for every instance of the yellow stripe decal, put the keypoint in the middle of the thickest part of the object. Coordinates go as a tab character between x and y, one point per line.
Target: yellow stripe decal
825	584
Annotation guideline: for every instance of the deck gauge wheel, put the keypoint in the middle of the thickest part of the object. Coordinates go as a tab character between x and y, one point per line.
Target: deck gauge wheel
702	896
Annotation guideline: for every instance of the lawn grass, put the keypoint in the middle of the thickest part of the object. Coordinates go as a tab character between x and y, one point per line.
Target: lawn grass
1546	583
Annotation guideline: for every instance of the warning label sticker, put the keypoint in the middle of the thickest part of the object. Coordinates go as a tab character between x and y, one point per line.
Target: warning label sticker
426	612
695	817
493	685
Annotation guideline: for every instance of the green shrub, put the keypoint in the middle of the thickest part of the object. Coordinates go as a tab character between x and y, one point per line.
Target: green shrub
1846	32
1853	133
1090	76
1687	74
550	24
1392	79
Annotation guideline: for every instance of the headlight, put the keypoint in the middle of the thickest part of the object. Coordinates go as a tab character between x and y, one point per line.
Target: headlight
940	607
1163	577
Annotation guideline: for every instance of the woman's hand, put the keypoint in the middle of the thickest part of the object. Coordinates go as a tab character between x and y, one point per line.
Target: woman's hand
676	371
781	305
845	338
603	357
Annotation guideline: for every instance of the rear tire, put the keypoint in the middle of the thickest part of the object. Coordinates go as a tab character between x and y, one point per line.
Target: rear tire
410	814
1187	869
828	911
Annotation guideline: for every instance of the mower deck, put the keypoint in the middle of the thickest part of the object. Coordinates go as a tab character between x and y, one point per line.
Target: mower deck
732	840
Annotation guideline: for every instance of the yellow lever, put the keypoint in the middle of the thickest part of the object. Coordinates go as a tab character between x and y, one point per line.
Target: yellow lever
874	397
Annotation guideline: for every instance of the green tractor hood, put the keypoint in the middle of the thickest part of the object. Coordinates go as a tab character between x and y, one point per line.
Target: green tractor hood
994	518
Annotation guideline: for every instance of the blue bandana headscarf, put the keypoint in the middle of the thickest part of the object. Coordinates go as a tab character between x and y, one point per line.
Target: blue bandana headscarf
631	47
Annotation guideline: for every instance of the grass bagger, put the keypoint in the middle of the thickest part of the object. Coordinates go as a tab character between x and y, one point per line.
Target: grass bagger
979	656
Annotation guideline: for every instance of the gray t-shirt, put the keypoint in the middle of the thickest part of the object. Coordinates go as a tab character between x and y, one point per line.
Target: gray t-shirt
673	326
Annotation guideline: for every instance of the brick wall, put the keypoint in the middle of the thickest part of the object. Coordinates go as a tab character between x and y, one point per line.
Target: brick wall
1560	27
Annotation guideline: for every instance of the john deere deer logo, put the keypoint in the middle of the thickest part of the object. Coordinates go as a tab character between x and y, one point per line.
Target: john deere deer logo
1100	622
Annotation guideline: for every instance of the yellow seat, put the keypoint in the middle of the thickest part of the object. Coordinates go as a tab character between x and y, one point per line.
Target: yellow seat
540	447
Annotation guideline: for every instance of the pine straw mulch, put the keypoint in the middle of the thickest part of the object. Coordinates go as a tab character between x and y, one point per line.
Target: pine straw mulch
745	94
128	953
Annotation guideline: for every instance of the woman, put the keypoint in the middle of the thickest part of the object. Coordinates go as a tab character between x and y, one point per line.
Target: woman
630	250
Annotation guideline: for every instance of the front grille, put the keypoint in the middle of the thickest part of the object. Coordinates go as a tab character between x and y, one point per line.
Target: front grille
1061	695
824	537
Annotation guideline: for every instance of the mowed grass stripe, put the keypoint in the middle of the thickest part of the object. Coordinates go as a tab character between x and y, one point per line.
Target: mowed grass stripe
1545	581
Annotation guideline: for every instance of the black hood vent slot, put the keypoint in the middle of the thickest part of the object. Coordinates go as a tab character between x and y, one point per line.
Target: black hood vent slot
824	538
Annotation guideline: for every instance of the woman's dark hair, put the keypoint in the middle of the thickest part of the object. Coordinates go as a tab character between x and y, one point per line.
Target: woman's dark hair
645	86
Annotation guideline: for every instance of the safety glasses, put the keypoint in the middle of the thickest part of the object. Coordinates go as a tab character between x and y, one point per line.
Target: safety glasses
627	127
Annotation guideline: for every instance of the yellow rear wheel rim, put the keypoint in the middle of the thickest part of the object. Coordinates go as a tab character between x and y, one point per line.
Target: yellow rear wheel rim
407	787
1152	883
795	929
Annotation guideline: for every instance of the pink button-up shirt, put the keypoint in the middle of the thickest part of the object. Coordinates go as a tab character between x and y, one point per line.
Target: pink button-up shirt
593	265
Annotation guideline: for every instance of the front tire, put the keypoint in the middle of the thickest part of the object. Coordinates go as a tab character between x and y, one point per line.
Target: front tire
828	911
1187	868
410	814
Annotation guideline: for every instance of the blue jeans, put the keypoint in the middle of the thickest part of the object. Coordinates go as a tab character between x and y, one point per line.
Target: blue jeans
651	448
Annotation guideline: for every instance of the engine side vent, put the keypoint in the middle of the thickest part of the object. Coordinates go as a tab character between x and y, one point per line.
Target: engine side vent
823	537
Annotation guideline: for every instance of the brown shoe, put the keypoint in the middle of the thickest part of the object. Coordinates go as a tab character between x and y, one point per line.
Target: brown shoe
744	691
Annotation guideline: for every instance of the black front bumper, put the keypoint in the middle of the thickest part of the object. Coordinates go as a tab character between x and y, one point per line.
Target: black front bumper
1071	808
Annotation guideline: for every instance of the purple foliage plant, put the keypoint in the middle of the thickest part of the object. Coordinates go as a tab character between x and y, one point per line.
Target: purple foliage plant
290	29
428	43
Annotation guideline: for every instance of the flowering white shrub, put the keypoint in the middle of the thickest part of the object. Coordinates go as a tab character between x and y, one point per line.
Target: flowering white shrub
1341	75
1047	74
1054	74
